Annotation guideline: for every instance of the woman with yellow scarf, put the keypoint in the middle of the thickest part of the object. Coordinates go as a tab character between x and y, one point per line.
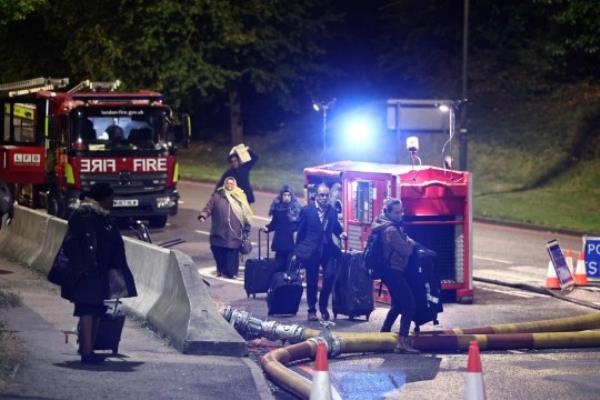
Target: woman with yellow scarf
231	221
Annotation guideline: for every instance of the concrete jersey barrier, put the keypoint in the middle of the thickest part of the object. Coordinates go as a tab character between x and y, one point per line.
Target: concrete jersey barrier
173	298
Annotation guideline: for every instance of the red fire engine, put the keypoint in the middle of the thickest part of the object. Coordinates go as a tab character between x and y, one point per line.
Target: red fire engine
55	144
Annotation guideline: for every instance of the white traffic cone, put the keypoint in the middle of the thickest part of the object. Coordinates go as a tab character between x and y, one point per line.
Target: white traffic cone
474	388
569	259
321	384
552	281
581	278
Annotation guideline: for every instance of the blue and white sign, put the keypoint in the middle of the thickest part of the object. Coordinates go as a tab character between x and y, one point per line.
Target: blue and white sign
591	251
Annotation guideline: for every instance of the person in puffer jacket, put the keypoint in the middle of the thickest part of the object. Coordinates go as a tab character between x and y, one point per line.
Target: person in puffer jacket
397	248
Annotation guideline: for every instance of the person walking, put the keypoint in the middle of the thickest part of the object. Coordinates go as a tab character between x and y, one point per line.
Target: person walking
285	216
231	221
240	172
315	247
94	254
397	248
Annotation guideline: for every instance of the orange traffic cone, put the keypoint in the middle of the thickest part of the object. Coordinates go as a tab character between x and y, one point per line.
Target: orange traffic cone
474	389
569	259
321	384
580	271
552	281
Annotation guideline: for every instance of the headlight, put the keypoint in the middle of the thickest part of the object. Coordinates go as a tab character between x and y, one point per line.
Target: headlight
165	202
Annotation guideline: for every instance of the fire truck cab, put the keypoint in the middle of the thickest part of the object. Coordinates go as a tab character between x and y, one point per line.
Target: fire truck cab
55	144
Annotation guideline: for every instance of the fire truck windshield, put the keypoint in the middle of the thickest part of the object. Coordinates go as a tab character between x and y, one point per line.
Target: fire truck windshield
99	129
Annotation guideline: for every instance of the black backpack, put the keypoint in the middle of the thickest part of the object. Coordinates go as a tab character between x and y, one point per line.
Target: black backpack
375	262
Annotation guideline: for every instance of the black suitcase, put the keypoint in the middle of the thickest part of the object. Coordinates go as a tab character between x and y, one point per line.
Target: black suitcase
110	328
426	286
353	287
285	292
259	272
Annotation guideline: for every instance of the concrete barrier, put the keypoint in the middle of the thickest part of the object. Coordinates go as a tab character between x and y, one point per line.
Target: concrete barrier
27	232
173	298
56	229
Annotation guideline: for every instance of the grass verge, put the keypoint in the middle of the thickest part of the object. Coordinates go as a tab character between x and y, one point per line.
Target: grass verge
526	161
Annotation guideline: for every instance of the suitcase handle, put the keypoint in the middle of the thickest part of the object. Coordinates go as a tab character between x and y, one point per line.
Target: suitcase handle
259	246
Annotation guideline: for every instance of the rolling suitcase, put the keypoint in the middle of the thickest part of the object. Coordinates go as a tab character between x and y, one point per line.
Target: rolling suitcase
110	328
426	286
285	292
353	287
259	272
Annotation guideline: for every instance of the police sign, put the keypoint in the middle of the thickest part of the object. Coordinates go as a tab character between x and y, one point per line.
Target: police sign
591	248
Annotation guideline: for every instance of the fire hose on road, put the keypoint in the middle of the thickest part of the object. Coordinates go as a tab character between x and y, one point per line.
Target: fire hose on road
559	333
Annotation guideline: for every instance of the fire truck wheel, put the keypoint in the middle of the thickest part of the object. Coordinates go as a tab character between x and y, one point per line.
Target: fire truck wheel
6	198
56	205
157	222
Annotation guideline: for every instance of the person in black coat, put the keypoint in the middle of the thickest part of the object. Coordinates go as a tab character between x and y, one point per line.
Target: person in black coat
285	215
241	173
94	252
315	247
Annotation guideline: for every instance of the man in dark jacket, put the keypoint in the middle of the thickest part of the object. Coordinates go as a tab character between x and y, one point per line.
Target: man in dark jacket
397	248
241	173
315	247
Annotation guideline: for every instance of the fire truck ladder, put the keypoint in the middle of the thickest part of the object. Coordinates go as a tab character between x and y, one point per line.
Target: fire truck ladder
94	86
29	86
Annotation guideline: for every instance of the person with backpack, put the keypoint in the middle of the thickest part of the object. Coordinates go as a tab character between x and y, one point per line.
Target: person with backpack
388	236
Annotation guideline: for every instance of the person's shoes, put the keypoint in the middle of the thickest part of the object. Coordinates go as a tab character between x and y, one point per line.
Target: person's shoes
325	315
404	346
91	358
312	316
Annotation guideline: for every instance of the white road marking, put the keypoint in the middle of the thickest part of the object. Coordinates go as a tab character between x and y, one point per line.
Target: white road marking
490	274
493	260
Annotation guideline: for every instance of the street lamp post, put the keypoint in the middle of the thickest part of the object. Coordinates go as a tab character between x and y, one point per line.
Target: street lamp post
324	106
463	135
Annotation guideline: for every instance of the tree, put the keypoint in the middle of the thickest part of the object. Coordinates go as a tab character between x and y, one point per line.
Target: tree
16	10
206	46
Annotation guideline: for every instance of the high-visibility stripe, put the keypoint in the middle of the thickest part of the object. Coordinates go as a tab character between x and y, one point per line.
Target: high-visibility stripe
47	123
176	173
69	173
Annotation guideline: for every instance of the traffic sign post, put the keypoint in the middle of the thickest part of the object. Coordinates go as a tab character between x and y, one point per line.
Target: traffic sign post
591	252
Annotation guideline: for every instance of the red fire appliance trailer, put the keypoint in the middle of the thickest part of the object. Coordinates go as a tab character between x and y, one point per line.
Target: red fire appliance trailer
437	206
